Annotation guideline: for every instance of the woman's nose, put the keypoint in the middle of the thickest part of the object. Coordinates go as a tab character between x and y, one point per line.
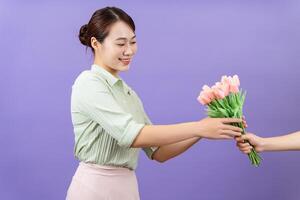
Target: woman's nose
128	50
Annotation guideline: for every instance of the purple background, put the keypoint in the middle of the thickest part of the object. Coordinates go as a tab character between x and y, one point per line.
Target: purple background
181	47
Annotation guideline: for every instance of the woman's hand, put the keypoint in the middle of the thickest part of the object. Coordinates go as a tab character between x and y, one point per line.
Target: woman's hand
244	140
219	128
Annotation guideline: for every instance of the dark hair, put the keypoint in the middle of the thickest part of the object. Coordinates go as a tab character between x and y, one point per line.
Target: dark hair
100	23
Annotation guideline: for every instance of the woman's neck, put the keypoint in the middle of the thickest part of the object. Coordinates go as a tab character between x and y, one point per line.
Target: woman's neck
110	70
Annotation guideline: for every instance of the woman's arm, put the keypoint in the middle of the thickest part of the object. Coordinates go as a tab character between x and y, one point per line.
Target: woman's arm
211	128
287	142
167	152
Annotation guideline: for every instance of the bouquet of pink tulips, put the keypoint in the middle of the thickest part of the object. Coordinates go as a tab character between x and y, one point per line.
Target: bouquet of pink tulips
225	100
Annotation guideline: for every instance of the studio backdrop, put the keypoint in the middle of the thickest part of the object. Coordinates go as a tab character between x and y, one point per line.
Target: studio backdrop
182	45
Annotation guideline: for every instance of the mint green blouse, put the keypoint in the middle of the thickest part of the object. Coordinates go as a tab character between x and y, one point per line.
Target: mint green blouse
107	115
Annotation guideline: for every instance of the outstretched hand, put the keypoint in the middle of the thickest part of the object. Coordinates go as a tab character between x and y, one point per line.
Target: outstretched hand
249	141
219	128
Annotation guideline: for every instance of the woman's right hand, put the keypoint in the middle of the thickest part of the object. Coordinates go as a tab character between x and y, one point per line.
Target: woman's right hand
219	128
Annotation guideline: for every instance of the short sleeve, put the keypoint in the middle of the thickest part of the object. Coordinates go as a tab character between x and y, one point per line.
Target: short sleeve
97	102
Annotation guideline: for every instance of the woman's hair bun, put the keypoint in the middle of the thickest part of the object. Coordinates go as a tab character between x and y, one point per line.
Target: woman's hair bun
82	35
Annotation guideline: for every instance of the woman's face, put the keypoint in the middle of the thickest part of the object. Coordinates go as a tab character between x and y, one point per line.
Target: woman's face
118	48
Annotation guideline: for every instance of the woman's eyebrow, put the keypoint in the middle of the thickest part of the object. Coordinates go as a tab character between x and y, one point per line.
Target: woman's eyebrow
124	38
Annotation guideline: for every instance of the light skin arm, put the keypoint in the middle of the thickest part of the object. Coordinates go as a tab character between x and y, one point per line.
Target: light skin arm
211	128
176	138
289	142
167	152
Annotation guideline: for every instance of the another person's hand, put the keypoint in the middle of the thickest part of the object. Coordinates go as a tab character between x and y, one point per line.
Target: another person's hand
219	128
244	140
244	122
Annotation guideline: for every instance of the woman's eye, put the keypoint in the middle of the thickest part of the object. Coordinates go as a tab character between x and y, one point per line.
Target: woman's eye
124	44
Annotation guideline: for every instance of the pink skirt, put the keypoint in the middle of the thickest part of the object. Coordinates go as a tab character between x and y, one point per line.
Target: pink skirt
97	182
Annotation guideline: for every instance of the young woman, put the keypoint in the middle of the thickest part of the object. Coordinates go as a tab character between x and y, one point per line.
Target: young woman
109	120
288	142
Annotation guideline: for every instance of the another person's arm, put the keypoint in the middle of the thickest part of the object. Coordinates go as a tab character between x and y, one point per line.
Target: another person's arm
287	142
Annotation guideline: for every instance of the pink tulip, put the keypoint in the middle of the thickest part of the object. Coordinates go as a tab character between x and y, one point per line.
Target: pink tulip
205	87
234	84
234	89
203	98
236	80
225	80
220	90
210	94
208	91
224	86
218	84
226	89
219	94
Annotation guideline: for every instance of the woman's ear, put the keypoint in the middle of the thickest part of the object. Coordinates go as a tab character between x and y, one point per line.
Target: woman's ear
95	44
